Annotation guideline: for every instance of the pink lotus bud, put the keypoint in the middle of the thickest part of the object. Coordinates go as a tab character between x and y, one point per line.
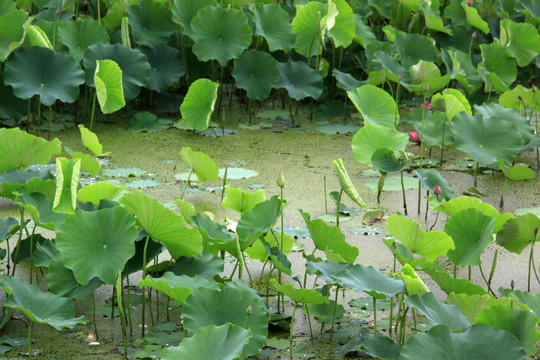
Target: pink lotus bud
533	87
426	105
280	180
437	190
470	2
414	136
474	34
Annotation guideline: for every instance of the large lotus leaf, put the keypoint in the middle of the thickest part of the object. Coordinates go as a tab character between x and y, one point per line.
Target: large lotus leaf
80	34
326	270
370	138
519	97
40	71
300	80
308	28
259	220
240	200
497	113
439	313
44	253
151	22
40	307
67	182
257	73
62	282
198	105
498	67
220	34
163	224
343	26
39	208
184	11
528	299
519	232
300	296
97	243
134	65
429	244
98	191
380	347
203	166
363	33
345	81
472	305
451	102
166	66
11	107
330	239
431	178
176	287
451	285
520	323
521	39
12	180
108	82
433	129
376	106
272	23
370	280
486	140
12	31
263	249
213	233
205	265
415	47
18	149
227	341
478	342
471	231
210	307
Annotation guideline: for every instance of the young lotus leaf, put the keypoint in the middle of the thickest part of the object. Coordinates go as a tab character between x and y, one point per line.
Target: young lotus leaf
307	24
108	82
451	285
270	247
257	73
259	220
461	68
439	313
163	224
134	66
40	307
97	243
220	34
205	265
330	239
98	191
471	231
426	72
370	280
498	67
62	282
300	296
210	307
429	244
166	66
18	149
516	172
40	71
451	102
80	34
12	30
340	23
272	23
39	208
414	285
376	106
35	36
431	178
90	141
518	233
88	163
198	105
370	138
478	342
241	201
176	287
228	342
184	11
346	184
300	80
203	166
146	121
151	22
67	182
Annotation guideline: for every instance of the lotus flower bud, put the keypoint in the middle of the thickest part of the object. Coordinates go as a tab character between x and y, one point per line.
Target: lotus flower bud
414	136
437	190
470	2
474	34
249	310
280	180
533	87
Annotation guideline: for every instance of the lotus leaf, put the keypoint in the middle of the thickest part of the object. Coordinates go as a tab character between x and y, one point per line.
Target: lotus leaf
62	282
272	23
44	253
151	22
307	24
345	81
461	68
123	172
343	26
12	31
346	184
369	280
40	307
257	73
67	182
326	270
498	67
97	243
519	97
213	233
451	102
496	112
431	178
380	347
324	312
115	13
370	138
185	10
198	105
414	47
166	66
451	285
203	166
386	161
40	208
263	249
259	220
234	173
80	34
176	287
220	34
516	234
413	283
300	80
205	265
18	149
98	191
528	299
241	201
108	82
35	36
88	163
146	121
11	107
300	296
90	141
473	18
521	39
12	180
439	313
40	71
471	305
376	106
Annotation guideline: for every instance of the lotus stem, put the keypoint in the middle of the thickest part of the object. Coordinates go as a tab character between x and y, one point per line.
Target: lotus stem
77	9
403	325
18	246
421	149
325	201
129	308
485	280
493	266
30	327
442	142
531	261
224	183
261	277
121	311
38	114
391	302
338	206
94	315
455	271
32	254
187	185
143	319
291	332
309	322
281	234
93	109
501	203
240	257
414	320
403	192
150	305
476	174
436	219
380	186
469	272
99	11
334	314
374	317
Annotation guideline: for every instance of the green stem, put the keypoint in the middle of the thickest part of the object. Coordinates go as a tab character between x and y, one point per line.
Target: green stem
32	253
334	314
18	246
403	192
93	111
291	333
442	142
531	261
421	150
325	201
121	311
187	184
143	314
476	174
240	256
493	267
30	327
374	317
337	207
380	186
224	183
501	203
94	315
129	307
485	280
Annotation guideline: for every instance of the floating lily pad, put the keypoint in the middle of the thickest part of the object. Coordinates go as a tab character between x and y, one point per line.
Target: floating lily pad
366	230
332	218
428	162
143	184
297	232
234	173
337	129
256	186
123	172
392	183
218	132
185	175
272	114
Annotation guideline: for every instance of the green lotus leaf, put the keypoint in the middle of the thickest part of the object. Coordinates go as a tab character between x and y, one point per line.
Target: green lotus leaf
272	23
40	71
433	129
259	220
67	182
530	7
228	341
497	113
300	80
370	280
215	236
471	305
471	231
528	299
521	39
263	250
40	307
98	191
205	265
163	224
346	184
186	208
257	73
203	166
380	347
62	282
37	37
241	201
345	81
308	26
413	283
330	239
426	72
90	141
115	13
176	287
6	7
415	47
473	18
498	67
184	11
166	66
478	342
220	34
439	313
451	285
326	270
519	97
343	26
11	107
517	172
461	68
88	163
146	121
8	227
18	149
370	138
39	208
451	102
429	244
44	253
12	31
300	296
210	307
376	106
324	312
80	34
385	161
108	82
518	233
97	243
151	22
198	105
134	66
431	178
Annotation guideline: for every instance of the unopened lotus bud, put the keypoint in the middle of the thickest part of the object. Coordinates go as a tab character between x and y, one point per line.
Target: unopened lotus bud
59	10
249	310
414	136
280	180
437	190
474	34
520	98
470	2
512	284
533	87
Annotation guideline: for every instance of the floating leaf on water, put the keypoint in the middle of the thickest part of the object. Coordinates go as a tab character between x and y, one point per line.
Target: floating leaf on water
170	206
337	129
276	343
219	132
296	232
392	183
469	164
372	216
236	163
370	173
191	190
184	177
214	189
250	127
428	162
367	303
298	246
302	351
366	230
234	173
272	114
332	218
256	186
113	182
143	184
123	172
168	162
